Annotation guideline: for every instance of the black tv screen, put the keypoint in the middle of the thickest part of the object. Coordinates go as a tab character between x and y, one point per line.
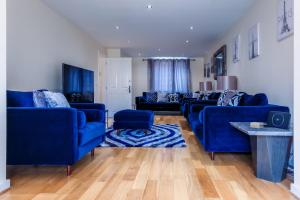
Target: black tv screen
78	84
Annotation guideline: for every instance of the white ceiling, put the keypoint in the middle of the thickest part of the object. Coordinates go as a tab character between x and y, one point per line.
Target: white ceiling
166	26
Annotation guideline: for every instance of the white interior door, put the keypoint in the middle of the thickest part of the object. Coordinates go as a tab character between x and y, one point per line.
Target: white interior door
118	73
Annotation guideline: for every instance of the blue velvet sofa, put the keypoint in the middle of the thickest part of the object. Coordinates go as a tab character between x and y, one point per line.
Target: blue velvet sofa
142	104
51	136
211	125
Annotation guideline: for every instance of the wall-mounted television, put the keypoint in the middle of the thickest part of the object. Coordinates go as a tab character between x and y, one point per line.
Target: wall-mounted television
78	84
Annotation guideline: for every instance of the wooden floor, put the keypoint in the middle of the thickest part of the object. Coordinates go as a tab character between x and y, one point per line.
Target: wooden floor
137	173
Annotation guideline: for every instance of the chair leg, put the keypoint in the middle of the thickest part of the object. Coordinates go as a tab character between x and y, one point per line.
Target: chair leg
69	170
93	153
212	155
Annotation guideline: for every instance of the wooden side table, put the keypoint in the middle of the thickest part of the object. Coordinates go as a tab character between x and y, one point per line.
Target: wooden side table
270	150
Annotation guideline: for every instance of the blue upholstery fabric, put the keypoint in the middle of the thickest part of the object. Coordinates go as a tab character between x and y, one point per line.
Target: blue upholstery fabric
133	119
50	136
19	99
213	130
81	118
94	115
91	131
256	100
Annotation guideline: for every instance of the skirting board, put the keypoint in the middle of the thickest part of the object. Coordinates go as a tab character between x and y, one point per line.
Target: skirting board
295	189
4	185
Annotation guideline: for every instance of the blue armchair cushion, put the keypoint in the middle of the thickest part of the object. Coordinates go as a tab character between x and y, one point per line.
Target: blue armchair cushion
91	131
19	99
81	118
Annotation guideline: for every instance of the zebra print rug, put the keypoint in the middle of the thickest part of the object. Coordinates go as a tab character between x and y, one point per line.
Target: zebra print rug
160	136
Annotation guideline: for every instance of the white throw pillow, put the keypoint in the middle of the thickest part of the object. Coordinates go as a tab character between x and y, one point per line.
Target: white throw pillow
162	97
56	100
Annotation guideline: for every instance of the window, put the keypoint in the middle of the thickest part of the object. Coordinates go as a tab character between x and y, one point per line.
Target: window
170	75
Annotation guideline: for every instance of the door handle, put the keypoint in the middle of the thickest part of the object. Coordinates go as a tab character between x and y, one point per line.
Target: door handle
129	89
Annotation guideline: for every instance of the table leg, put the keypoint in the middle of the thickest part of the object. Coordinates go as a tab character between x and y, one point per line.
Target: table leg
270	156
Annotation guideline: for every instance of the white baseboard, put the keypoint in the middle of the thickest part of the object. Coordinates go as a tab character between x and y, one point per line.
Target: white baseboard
4	185
295	189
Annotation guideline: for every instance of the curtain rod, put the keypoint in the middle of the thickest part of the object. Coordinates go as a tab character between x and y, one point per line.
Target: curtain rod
146	59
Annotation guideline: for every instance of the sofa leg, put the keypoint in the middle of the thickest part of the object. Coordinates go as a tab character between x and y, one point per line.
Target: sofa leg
93	153
212	155
69	170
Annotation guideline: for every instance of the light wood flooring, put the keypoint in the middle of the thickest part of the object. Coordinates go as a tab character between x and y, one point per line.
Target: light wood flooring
137	173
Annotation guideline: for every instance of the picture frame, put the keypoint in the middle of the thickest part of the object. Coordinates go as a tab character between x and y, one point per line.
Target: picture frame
285	19
236	49
254	41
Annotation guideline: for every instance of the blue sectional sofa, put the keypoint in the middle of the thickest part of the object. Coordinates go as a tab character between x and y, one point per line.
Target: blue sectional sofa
51	136
211	125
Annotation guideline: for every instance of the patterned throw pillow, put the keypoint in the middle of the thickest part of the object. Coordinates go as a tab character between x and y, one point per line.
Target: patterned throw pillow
56	100
196	95
173	98
162	97
39	99
206	96
235	100
151	97
230	98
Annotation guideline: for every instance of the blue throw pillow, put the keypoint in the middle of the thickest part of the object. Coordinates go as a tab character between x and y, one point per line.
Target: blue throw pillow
19	99
56	100
151	97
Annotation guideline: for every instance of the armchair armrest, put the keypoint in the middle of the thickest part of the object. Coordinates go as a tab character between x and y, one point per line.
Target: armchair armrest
42	136
220	136
97	106
94	115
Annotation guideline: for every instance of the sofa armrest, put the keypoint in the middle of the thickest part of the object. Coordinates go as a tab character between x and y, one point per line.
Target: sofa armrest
97	106
196	107
94	115
139	100
42	136
218	133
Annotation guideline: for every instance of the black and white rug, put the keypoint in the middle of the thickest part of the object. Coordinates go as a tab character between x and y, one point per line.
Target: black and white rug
160	136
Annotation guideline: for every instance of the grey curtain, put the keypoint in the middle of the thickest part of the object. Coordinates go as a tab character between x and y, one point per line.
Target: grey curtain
170	75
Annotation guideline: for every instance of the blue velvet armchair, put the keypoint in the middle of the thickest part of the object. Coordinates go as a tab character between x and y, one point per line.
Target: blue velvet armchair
51	136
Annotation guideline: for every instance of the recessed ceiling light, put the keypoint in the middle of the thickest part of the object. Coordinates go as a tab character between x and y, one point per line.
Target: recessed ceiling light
149	6
117	27
158	49
187	41
191	28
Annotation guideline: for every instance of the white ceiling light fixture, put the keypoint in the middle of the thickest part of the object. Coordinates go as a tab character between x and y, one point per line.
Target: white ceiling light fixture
149	6
191	28
187	41
117	27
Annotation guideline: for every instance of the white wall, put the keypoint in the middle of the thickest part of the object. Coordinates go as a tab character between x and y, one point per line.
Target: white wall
4	184
39	41
272	71
140	76
296	186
